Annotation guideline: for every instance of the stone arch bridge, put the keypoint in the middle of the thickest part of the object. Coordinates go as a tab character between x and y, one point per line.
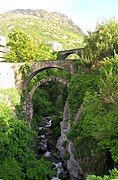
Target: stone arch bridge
28	107
62	55
38	66
35	68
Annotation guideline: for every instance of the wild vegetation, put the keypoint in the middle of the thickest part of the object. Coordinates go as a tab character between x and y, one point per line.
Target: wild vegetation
17	160
25	48
95	134
94	92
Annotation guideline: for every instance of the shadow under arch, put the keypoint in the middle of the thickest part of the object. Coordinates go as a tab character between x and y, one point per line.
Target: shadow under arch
28	106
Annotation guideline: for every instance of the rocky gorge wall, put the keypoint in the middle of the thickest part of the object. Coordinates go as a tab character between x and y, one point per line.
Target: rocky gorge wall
66	147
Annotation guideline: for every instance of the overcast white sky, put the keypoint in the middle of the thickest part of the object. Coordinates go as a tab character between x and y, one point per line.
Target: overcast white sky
85	13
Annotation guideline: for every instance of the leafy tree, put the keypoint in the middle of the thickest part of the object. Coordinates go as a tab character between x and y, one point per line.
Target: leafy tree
102	43
11	169
42	104
113	175
24	48
41	171
79	84
96	129
108	83
17	160
100	123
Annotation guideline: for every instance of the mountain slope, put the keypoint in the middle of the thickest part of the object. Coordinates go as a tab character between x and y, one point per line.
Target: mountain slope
47	26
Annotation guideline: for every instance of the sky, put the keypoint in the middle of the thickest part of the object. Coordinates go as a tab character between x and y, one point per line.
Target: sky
84	13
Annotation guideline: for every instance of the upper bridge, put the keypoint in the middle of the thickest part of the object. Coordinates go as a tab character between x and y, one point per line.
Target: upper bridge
62	55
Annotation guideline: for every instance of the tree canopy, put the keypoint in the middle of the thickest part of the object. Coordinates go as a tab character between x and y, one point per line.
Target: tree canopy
103	42
25	48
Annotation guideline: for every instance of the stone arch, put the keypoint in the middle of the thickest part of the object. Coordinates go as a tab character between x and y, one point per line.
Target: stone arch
62	55
28	101
37	67
50	78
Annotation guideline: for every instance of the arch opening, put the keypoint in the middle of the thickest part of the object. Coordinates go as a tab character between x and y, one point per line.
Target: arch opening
31	75
72	56
69	66
62	55
44	77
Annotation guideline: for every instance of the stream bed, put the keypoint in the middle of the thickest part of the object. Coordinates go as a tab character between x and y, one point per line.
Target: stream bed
49	151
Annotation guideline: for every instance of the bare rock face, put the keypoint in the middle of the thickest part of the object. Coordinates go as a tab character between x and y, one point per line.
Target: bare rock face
66	148
63	139
65	127
73	165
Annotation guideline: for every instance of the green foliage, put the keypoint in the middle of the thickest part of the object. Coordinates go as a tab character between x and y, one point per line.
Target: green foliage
42	104
41	171
12	94
44	53
66	156
65	143
11	169
98	123
25	69
21	47
103	42
108	83
113	175
17	160
95	133
79	84
25	48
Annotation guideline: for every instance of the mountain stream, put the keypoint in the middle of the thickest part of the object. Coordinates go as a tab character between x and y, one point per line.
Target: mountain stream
49	151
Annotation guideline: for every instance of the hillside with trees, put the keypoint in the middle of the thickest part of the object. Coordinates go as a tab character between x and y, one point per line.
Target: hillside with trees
94	92
47	27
